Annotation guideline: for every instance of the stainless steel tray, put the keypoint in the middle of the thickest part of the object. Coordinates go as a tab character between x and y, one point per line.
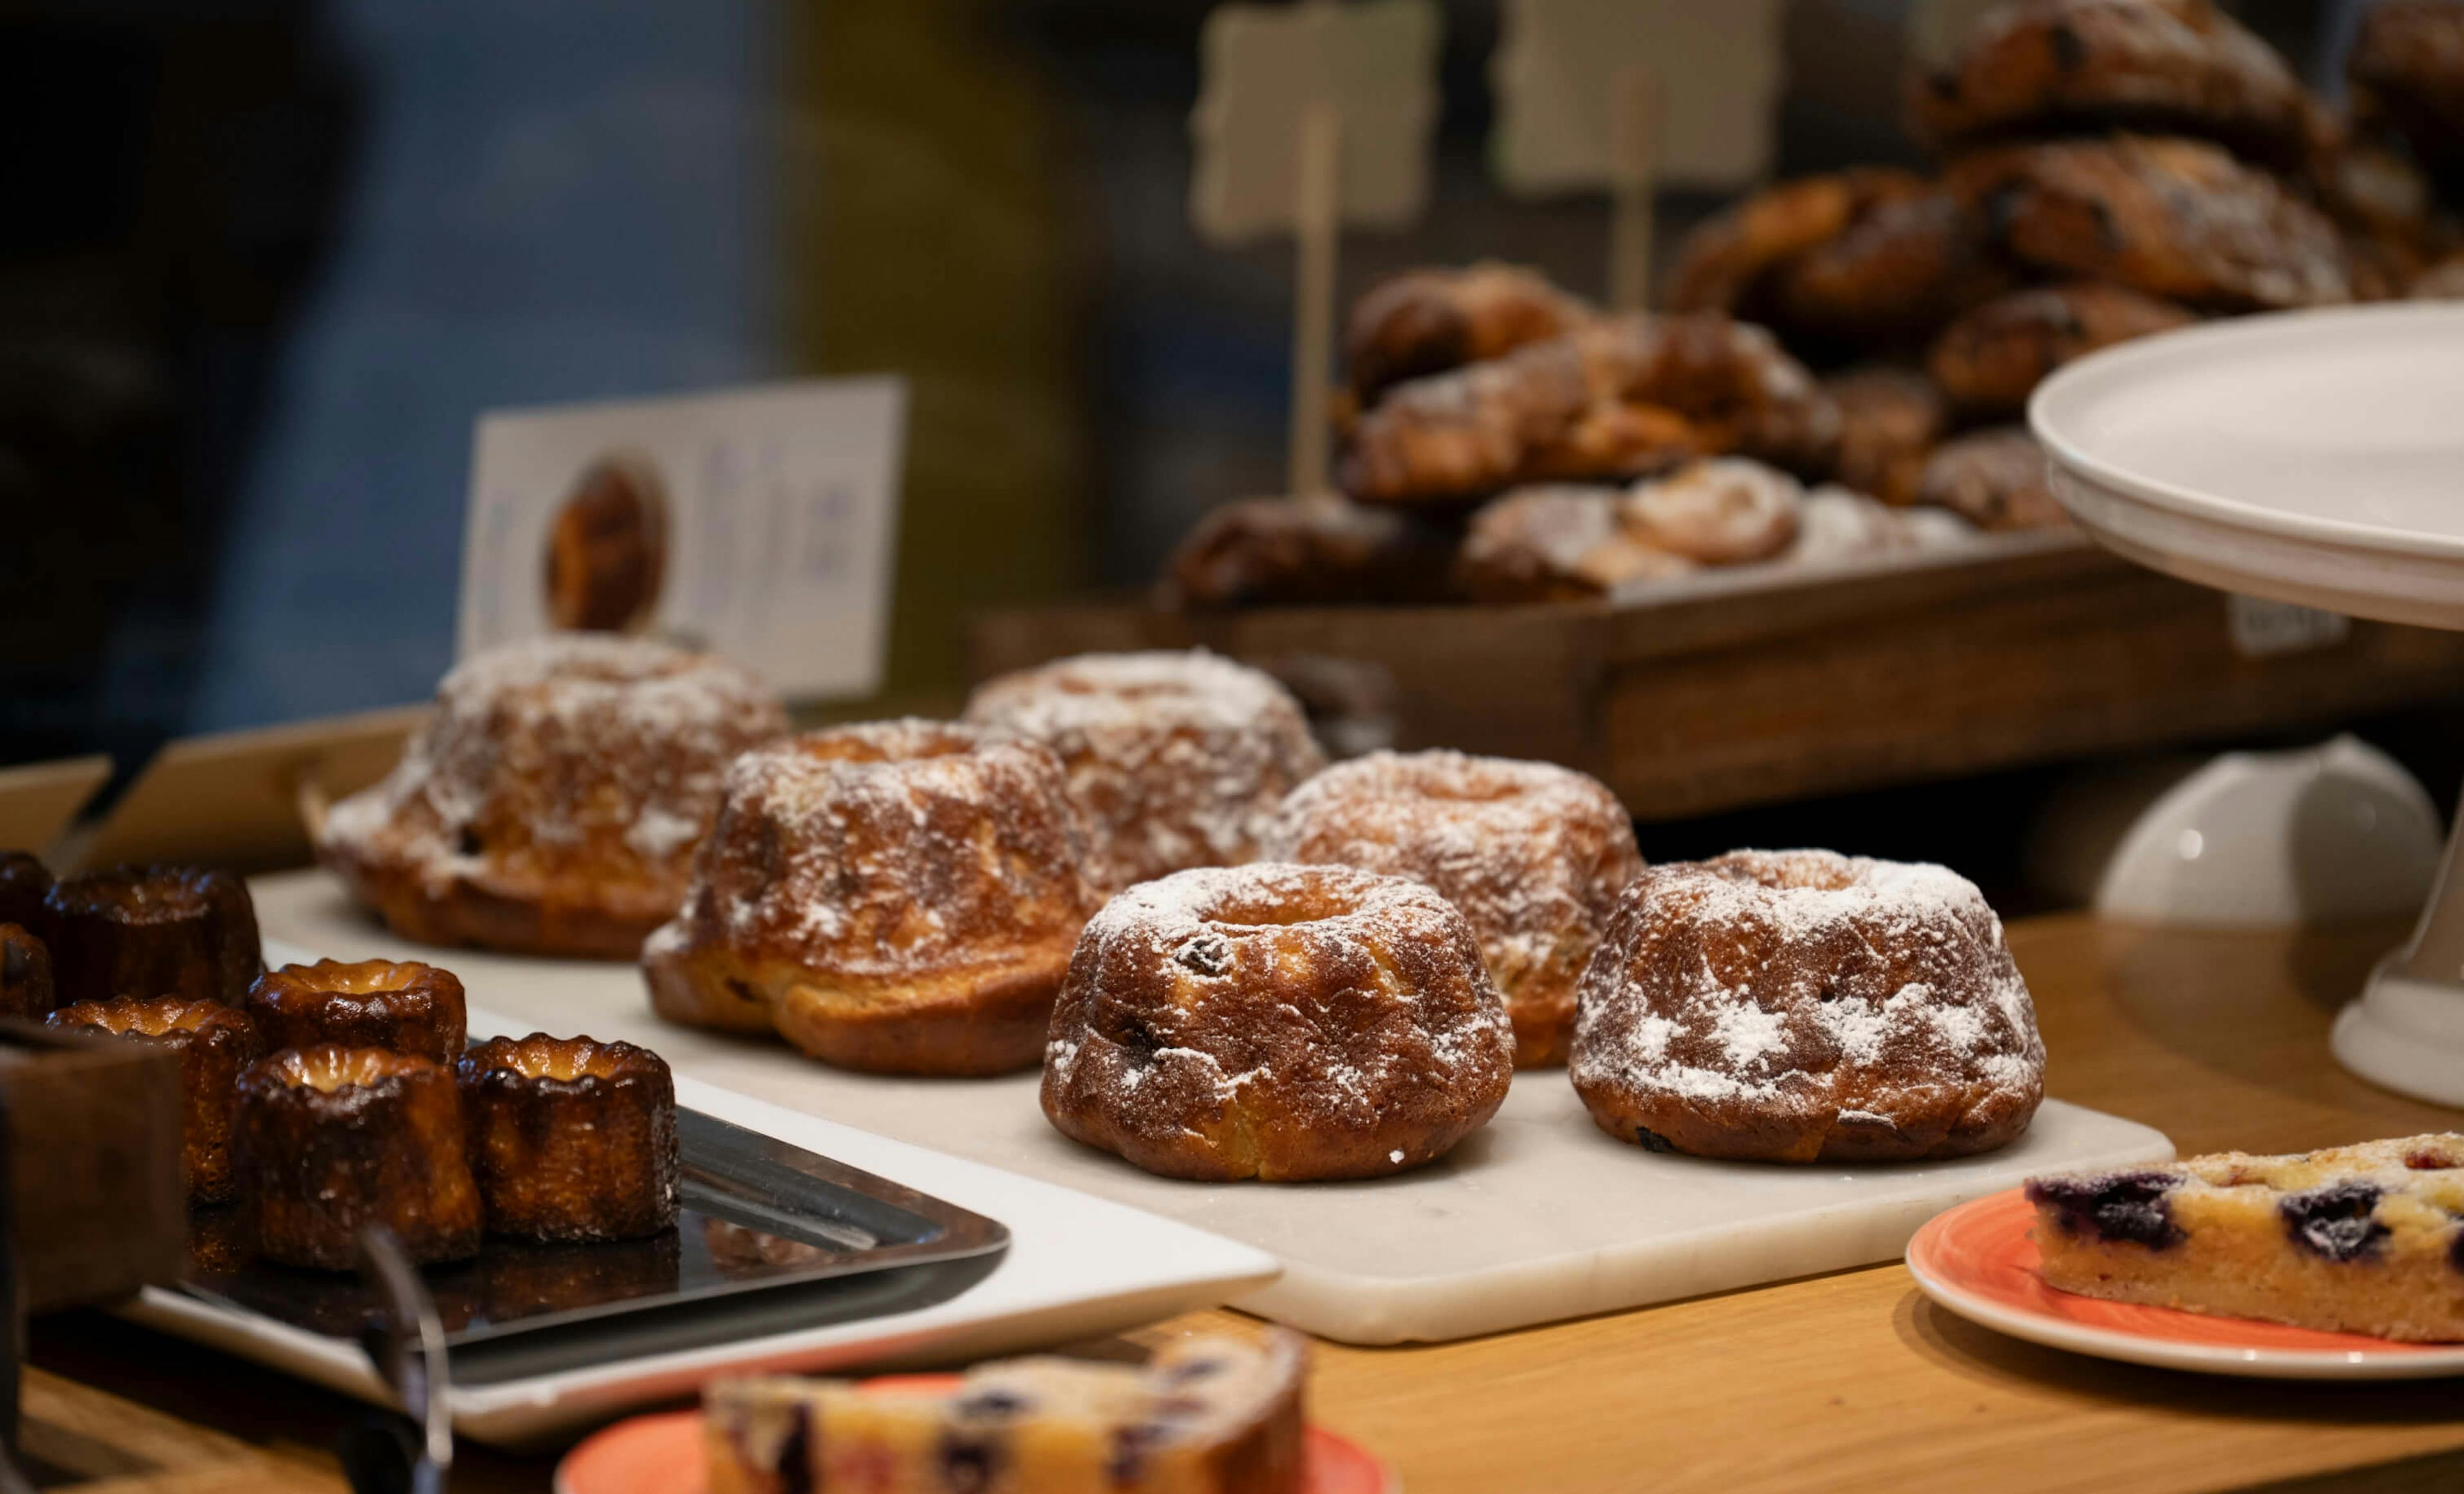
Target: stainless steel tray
770	1236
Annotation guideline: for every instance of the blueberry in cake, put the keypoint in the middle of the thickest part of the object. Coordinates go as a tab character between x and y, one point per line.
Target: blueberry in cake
1206	1415
2365	1238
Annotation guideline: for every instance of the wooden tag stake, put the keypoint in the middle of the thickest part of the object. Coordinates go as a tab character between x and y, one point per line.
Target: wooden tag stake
1634	103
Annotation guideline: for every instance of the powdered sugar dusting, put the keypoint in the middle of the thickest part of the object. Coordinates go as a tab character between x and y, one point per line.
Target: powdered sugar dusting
1173	759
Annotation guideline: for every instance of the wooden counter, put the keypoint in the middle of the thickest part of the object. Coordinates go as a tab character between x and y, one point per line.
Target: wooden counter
1843	1382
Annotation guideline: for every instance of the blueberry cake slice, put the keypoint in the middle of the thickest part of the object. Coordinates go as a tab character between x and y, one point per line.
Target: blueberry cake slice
2366	1239
1206	1415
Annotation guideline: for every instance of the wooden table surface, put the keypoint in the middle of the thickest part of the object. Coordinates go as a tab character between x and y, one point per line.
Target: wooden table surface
1845	1382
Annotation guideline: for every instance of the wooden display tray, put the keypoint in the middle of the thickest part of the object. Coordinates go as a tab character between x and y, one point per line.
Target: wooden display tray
1757	685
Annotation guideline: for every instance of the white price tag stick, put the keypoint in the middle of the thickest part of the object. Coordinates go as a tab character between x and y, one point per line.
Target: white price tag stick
1633	104
1317	233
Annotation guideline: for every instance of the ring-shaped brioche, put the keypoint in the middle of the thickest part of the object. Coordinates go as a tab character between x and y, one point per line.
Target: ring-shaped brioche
901	897
571	1139
1801	1006
26	988
1173	759
551	803
332	1139
152	931
1532	855
1279	1022
214	1043
371	1004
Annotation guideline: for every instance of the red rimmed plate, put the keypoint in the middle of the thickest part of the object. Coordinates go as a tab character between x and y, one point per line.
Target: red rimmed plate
662	1455
1977	1260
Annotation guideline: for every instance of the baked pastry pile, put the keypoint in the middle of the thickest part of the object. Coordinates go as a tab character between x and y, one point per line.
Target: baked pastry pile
1205	1415
552	804
2360	1240
2108	170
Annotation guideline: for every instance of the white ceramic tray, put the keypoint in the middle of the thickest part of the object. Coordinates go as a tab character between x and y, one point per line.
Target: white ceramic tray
1536	1216
1076	1267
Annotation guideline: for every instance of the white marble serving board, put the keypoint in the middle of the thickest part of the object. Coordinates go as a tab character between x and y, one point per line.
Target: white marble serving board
1538	1216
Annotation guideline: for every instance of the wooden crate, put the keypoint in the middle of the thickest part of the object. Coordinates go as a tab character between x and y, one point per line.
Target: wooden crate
1757	685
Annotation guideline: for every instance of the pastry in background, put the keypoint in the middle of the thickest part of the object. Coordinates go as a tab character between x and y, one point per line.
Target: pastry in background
1727	262
214	1043
1426	321
25	990
2171	217
551	803
1531	854
2406	71
571	1139
1892	274
1802	1007
2392	222
152	931
370	1003
1723	512
1557	544
1173	760
2441	281
1993	478
1286	1023
1993	357
1617	399
1310	552
1205	1415
330	1140
24	883
1838	524
2058	67
901	897
1890	418
2364	1239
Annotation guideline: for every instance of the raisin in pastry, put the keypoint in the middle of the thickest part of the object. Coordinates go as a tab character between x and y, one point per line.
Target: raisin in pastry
1992	359
1206	1415
2366	1239
1426	321
2056	67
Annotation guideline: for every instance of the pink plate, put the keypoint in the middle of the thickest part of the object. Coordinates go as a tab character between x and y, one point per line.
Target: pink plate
662	1455
1977	1260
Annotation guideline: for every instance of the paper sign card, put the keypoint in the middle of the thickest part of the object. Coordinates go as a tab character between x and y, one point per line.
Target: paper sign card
1373	65
756	522
1715	71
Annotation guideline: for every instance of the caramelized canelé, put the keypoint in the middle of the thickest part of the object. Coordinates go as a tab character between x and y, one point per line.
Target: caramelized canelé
571	1139
25	974
332	1139
373	1003
152	931
215	1044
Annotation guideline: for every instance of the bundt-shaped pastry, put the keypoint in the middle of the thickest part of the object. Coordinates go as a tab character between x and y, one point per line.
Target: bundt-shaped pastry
1801	1006
552	804
1279	1022
1532	855
1173	759
570	1139
215	1044
371	1004
24	883
901	897
26	988
333	1139
152	931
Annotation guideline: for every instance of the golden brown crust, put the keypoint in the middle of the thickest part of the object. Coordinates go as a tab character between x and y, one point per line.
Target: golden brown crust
1801	1006
215	1044
1895	272
332	1139
899	897
2407	70
1722	264
2056	67
372	1004
1991	360
551	803
152	931
1426	321
1532	855
1282	1022
1890	418
1994	479
1302	552
2175	218
25	975
571	1140
1620	398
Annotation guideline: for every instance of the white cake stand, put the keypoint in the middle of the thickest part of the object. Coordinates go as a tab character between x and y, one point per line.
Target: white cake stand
2314	457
